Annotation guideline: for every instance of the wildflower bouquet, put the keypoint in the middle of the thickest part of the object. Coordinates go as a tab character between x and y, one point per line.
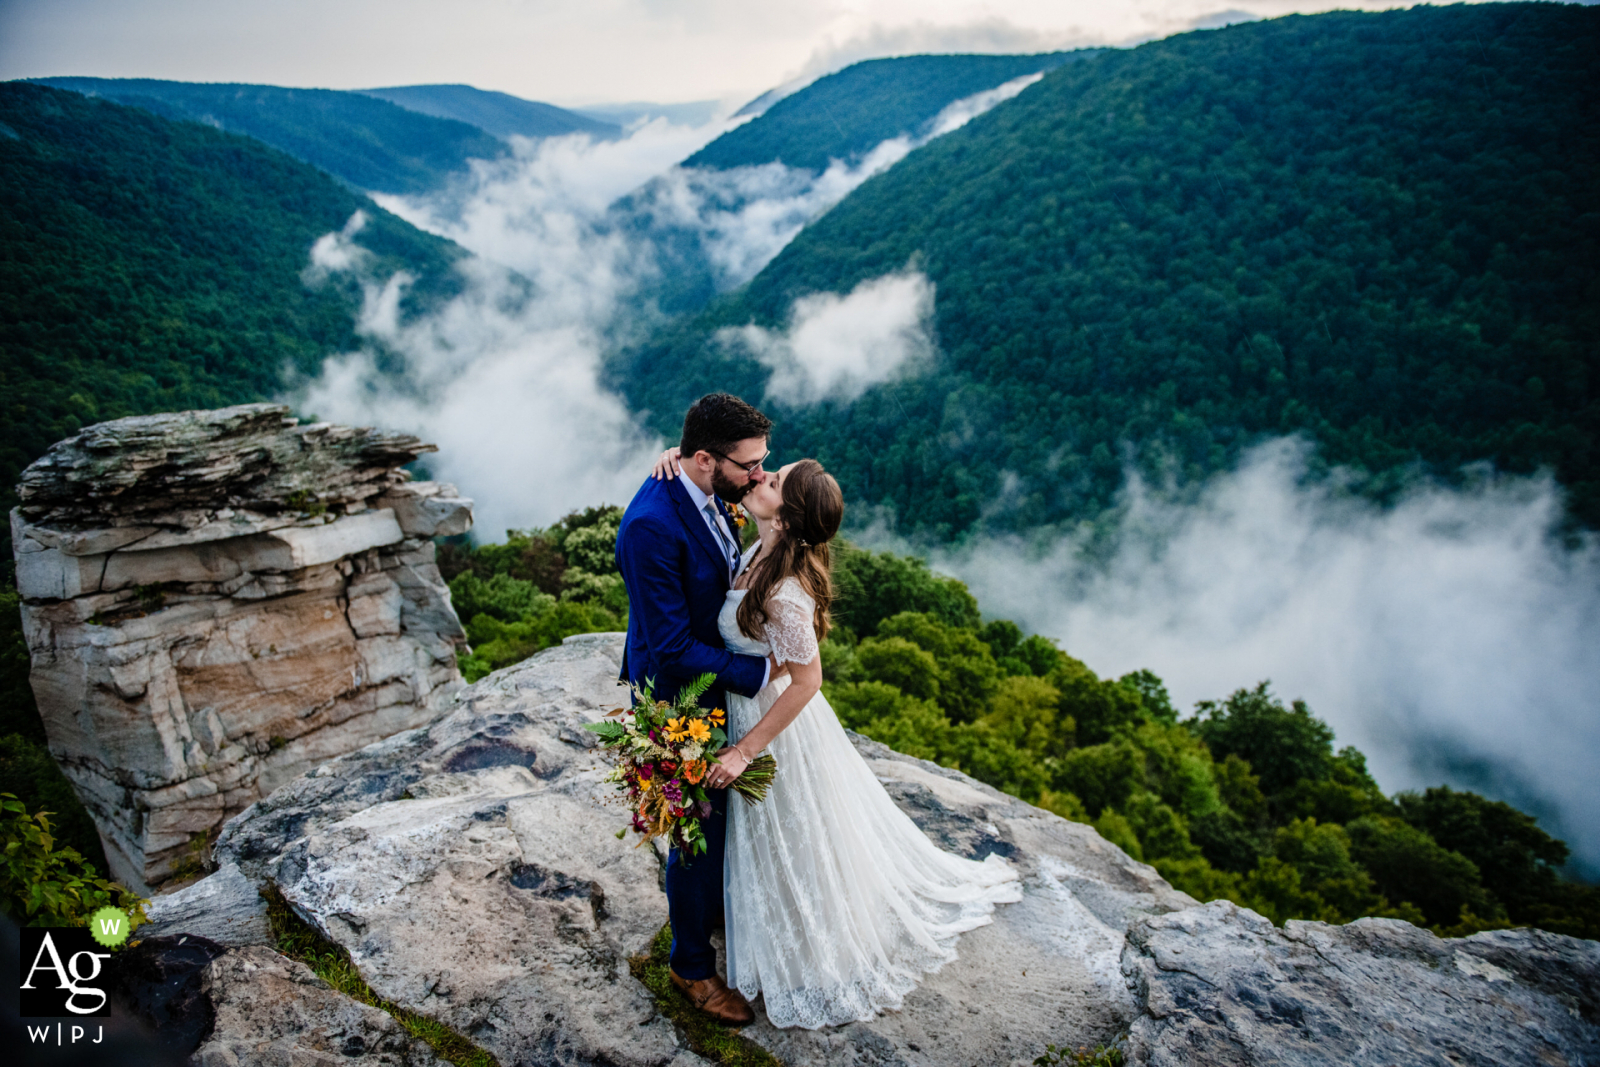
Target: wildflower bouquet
662	751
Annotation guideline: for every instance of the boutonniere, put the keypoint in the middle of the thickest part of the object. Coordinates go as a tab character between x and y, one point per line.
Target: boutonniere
738	516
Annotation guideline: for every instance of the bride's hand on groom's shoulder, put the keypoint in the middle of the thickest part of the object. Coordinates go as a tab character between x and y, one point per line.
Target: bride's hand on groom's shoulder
666	465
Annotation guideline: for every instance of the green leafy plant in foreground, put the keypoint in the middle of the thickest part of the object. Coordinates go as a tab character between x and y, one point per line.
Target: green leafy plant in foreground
707	1037
42	885
1099	1056
298	940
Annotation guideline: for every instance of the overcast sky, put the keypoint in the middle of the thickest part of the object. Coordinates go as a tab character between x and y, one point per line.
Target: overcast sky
571	52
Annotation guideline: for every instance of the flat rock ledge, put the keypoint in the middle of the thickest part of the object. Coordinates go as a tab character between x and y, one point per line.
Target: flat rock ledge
273	1010
472	871
1220	985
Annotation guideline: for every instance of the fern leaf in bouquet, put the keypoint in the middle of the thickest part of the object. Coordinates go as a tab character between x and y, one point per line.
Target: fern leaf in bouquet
662	750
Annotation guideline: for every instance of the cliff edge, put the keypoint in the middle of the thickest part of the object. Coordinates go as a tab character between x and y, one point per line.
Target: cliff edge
472	871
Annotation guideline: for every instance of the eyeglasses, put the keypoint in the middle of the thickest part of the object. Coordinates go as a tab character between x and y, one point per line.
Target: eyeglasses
749	468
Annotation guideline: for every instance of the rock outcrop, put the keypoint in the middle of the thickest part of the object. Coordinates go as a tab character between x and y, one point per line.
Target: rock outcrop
470	869
1220	985
217	601
272	1010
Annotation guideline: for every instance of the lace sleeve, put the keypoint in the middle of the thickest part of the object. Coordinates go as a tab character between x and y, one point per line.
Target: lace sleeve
791	630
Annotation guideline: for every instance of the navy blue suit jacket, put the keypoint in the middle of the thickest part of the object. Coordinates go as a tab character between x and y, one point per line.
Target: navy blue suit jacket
677	579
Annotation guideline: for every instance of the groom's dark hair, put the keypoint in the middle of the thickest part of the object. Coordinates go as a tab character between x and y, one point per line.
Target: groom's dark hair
719	421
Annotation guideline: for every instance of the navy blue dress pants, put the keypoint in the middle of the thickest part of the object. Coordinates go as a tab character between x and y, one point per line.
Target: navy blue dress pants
694	896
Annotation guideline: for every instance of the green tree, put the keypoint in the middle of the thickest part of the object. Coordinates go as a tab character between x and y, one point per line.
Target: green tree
1406	864
1281	745
966	671
1517	859
871	586
1321	855
898	662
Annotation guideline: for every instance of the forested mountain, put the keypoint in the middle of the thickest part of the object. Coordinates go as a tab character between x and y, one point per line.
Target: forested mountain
1379	229
500	114
848	113
150	265
371	143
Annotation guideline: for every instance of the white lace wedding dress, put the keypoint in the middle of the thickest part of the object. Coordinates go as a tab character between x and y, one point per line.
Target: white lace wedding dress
836	903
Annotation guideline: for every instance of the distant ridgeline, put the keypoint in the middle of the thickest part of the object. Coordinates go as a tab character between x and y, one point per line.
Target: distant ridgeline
1247	800
847	114
408	139
501	114
841	117
1377	229
152	265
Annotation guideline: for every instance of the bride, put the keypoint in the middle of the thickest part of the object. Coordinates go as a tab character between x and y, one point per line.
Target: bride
836	903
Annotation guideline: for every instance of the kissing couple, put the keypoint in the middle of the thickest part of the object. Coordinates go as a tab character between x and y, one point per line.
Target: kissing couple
833	902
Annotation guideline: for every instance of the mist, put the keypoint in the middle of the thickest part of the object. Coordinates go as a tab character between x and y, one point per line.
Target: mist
505	378
1446	636
837	347
1450	637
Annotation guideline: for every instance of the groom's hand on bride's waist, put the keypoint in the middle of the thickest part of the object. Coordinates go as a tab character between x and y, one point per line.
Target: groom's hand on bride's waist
775	668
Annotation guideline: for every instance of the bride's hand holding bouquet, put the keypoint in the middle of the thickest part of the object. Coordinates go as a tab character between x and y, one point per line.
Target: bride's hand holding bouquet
667	753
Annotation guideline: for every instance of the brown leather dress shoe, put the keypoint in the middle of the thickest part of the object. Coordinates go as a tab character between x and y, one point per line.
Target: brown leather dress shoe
712	996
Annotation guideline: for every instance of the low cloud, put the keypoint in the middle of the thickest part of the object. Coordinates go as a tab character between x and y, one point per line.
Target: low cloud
1450	637
509	394
963	111
505	377
337	251
837	347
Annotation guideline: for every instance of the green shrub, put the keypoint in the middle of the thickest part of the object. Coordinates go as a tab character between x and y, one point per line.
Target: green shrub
497	644
43	885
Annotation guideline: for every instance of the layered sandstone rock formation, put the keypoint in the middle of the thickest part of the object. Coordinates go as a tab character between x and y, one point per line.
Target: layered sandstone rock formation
216	601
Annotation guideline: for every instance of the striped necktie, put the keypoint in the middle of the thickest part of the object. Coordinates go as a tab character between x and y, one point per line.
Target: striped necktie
722	538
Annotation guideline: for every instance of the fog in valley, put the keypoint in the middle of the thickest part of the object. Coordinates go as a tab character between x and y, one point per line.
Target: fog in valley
1448	636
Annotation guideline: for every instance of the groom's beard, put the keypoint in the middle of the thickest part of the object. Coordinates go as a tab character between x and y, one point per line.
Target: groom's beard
730	493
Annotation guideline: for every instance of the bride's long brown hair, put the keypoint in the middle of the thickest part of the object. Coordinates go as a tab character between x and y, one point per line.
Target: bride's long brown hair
811	510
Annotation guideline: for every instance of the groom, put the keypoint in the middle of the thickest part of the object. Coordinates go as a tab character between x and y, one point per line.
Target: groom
678	552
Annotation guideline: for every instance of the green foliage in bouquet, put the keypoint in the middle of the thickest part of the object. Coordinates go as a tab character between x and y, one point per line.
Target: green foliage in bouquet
43	885
663	749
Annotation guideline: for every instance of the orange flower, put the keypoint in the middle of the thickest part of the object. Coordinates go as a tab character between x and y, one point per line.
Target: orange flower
695	771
